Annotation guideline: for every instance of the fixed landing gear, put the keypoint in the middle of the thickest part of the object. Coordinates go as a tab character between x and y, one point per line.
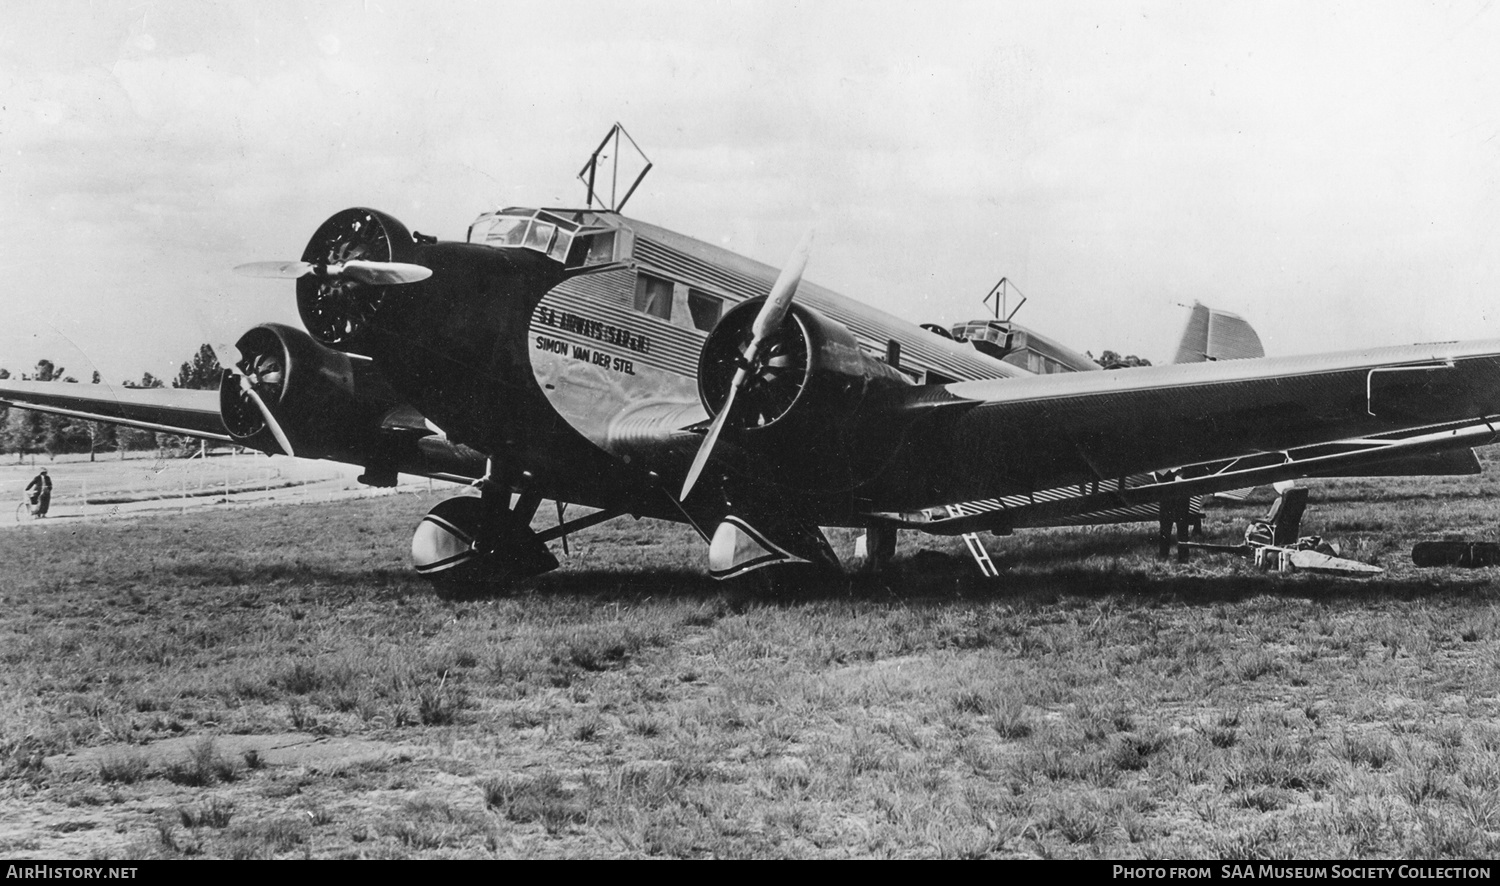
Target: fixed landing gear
474	546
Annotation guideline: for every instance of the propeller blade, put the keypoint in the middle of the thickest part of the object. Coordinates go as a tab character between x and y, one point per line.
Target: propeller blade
229	358
282	270
706	448
271	422
370	273
774	310
380	273
766	322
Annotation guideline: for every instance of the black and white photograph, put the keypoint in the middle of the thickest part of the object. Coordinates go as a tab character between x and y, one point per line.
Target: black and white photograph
766	429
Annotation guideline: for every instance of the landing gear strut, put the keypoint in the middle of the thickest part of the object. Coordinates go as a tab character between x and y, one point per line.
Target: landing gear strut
1174	513
875	548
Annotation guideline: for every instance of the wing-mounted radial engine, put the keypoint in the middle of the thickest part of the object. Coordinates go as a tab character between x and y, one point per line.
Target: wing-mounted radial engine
795	393
320	402
803	403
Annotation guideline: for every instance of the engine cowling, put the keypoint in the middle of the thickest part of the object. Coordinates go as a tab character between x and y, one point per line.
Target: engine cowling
338	311
808	401
328	403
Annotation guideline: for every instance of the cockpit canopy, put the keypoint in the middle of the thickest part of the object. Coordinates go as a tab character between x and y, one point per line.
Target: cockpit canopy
578	238
1019	346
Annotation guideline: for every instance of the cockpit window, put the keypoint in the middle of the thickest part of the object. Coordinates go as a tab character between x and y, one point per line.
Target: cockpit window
576	238
507	232
540	237
560	246
599	248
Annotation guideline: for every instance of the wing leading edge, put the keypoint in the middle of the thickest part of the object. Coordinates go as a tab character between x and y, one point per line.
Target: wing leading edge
169	410
1020	436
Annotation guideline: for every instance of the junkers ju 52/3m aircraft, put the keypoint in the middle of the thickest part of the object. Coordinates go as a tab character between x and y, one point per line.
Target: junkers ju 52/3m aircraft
585	357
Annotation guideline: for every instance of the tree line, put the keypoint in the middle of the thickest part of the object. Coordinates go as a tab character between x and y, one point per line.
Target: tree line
1112	360
28	432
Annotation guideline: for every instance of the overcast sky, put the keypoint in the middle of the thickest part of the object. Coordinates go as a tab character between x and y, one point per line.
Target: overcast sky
1331	171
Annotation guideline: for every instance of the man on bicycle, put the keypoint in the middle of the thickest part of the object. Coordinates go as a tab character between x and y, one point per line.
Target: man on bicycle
39	493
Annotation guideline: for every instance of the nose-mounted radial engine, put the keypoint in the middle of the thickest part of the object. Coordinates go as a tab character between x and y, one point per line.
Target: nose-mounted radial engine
321	390
336	308
346	272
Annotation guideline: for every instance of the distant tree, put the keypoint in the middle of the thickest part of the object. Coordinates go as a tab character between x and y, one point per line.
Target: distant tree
4	373
135	438
1112	360
27	431
63	434
46	370
19	433
101	434
201	373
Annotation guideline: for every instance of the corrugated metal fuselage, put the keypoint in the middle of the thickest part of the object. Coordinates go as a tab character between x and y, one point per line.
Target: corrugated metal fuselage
581	395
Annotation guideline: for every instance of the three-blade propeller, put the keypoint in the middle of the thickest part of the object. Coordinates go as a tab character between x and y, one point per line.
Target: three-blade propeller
229	358
371	273
766	322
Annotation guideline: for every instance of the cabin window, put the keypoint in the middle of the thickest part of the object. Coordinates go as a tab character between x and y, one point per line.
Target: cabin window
653	296
705	309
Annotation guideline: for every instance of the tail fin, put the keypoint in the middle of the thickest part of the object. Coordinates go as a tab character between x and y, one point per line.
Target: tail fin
1212	334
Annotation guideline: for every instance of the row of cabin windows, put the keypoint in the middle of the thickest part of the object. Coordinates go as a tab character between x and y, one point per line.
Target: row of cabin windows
655	296
1040	364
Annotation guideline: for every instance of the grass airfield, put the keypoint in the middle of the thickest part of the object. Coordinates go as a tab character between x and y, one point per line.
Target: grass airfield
270	679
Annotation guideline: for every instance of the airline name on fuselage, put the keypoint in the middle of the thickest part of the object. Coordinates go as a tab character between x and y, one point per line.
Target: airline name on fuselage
595	329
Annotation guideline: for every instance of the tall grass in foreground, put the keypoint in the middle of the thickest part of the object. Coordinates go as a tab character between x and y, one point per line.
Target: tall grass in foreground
1092	702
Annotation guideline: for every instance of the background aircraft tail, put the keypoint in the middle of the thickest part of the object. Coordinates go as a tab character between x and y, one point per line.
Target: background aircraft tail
1212	334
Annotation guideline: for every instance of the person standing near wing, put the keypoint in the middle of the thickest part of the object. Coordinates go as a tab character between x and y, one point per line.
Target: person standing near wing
39	493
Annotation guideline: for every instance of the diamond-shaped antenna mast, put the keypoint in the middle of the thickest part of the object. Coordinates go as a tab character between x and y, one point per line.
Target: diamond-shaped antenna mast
621	159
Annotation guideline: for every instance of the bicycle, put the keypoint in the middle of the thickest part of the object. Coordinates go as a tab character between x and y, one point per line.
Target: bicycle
26	510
